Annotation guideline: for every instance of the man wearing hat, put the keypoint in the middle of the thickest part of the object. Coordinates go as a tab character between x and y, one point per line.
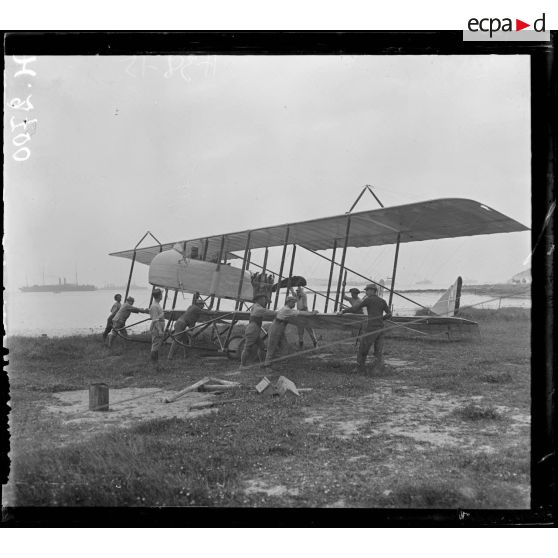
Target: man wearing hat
253	343
187	320
157	325
373	333
354	299
115	307
119	320
276	339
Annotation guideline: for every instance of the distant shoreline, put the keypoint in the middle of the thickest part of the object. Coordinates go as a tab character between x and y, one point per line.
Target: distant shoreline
123	288
493	289
497	289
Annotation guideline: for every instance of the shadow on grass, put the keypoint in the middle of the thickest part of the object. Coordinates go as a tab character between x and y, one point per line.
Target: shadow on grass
497	378
473	412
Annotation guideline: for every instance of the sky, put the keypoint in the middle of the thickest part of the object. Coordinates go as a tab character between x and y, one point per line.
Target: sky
186	146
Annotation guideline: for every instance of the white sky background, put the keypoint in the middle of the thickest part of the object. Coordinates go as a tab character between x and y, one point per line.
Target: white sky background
124	145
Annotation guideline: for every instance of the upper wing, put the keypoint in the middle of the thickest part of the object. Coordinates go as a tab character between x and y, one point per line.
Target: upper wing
434	219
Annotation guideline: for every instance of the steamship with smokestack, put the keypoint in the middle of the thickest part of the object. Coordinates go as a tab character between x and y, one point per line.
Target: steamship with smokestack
61	287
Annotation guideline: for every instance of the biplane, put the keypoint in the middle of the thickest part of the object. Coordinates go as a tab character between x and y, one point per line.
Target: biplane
218	267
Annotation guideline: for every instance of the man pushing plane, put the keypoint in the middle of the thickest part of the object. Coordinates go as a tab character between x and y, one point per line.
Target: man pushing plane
377	309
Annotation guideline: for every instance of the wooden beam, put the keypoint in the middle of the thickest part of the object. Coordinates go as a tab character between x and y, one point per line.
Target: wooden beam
330	274
129	276
193	387
293	254
281	268
343	290
342	264
244	264
394	270
205	248
221	252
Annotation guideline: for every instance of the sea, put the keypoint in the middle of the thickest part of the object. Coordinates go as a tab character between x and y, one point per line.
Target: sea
85	313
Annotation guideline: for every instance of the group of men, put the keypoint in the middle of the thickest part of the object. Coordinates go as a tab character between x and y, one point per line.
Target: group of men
253	341
371	333
119	313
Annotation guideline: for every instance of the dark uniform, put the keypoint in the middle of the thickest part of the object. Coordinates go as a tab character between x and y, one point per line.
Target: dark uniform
187	320
115	307
253	343
373	332
119	320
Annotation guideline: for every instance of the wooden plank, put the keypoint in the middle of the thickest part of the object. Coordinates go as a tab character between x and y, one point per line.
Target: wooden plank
193	387
224	382
217	387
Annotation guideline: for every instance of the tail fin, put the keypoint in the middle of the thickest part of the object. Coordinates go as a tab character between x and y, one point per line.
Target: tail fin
448	304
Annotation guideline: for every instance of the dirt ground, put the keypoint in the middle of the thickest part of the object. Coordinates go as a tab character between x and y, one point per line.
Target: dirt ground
127	407
444	425
414	417
418	419
412	413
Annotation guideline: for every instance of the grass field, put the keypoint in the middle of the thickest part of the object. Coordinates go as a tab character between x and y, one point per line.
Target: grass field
446	425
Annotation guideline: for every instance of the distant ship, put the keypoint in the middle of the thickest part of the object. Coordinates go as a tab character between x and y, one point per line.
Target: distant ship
424	282
61	287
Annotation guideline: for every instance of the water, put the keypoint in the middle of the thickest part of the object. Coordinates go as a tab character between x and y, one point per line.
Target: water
83	313
71	313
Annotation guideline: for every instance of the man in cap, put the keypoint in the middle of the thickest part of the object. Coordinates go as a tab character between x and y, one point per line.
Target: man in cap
302	304
119	320
276	339
187	320
354	299
377	309
253	342
115	307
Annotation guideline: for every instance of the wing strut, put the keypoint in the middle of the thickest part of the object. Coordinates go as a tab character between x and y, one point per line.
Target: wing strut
293	254
134	260
394	270
364	277
281	267
238	305
342	264
369	188
330	274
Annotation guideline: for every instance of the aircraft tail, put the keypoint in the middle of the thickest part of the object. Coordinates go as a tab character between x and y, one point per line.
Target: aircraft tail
448	303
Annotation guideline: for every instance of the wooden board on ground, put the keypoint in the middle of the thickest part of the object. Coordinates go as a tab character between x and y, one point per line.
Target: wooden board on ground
193	387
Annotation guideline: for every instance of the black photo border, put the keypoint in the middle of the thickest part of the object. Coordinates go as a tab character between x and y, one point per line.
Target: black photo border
544	151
